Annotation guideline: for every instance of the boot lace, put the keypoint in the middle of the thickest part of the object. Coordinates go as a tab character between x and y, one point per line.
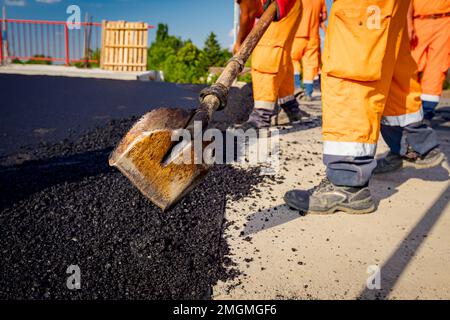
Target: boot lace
324	185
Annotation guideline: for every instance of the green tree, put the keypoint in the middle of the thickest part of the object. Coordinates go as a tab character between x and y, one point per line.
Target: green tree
181	61
186	66
162	48
214	54
213	51
162	32
226	55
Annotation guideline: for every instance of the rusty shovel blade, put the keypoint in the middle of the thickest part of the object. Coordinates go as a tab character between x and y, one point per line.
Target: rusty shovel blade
139	156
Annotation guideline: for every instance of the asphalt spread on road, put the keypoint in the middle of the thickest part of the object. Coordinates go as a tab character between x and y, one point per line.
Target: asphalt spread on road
62	205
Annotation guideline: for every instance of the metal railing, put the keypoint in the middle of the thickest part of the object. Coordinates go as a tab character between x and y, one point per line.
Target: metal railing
54	41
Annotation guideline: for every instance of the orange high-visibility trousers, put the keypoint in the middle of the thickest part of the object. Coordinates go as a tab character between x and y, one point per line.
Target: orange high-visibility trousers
368	74
369	78
306	50
432	54
272	69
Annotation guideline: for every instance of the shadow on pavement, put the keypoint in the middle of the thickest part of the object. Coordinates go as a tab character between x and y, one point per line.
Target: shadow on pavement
269	218
395	265
382	188
393	268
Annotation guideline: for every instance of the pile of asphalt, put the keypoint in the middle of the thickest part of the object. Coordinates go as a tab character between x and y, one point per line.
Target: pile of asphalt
65	206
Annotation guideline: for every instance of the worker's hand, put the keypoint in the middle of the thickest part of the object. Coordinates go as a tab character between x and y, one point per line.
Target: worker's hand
237	47
283	6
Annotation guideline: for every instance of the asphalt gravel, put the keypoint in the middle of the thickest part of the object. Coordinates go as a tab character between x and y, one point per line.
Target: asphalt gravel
62	205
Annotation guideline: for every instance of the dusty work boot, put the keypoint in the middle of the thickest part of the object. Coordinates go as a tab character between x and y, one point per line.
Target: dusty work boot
292	110
327	198
259	118
394	161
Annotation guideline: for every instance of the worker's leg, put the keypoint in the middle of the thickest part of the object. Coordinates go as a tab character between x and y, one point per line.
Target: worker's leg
287	100
298	49
351	122
435	35
310	62
297	75
350	119
286	91
402	126
354	92
316	84
267	62
420	55
265	88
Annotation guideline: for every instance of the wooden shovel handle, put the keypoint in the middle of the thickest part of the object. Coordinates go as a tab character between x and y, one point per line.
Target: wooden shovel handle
215	96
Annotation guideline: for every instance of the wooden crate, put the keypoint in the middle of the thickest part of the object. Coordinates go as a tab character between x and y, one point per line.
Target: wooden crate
124	46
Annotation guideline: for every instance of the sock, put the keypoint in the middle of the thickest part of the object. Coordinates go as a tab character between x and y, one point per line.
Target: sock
297	81
309	87
428	108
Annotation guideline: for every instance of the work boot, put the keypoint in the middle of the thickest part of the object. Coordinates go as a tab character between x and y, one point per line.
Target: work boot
327	198
292	110
259	118
394	161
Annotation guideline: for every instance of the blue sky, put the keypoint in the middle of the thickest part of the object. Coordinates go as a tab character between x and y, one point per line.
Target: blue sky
192	19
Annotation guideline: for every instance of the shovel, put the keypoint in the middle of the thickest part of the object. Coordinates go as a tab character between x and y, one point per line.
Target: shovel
147	156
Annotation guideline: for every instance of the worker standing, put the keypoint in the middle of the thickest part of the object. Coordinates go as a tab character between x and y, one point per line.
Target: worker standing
429	27
306	46
369	84
272	69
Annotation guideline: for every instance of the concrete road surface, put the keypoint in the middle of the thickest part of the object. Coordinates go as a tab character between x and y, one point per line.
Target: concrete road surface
402	250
